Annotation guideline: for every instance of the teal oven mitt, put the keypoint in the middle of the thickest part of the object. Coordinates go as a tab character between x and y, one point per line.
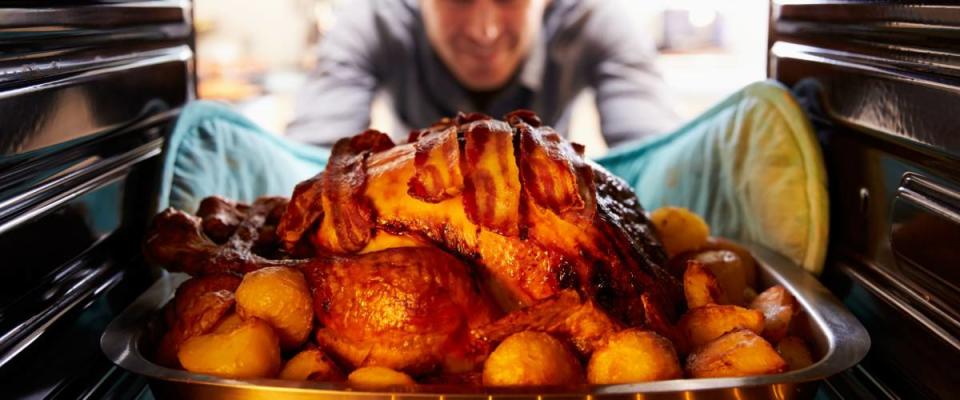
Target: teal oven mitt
750	166
213	150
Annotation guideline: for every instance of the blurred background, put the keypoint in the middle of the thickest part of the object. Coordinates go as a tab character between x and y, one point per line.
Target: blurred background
256	54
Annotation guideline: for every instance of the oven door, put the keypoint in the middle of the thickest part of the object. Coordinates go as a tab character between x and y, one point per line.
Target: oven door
87	92
882	85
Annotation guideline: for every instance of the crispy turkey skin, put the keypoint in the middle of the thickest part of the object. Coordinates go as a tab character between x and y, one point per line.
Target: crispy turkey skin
512	197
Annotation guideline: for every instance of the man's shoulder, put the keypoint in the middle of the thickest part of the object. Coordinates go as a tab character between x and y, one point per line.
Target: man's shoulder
584	16
384	17
399	14
395	8
594	25
382	27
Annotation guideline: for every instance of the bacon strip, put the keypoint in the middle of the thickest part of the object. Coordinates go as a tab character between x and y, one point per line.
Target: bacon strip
586	185
553	171
438	126
302	212
466	118
523	116
491	194
350	215
371	140
437	163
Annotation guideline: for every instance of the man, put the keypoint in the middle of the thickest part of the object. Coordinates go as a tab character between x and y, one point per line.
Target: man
437	57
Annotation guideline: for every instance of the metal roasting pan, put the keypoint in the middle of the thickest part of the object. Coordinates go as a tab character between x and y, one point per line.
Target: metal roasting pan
838	341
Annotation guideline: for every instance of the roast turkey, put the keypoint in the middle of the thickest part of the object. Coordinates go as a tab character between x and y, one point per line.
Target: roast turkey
421	254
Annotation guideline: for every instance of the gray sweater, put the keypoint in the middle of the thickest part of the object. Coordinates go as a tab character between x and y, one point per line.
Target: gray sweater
381	45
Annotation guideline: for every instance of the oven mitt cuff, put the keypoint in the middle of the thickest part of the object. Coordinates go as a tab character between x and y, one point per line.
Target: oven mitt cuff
213	150
751	166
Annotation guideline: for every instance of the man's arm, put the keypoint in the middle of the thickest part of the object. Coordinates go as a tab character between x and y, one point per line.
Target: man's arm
335	101
631	96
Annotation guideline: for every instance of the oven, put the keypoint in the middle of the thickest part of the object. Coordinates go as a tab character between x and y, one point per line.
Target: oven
87	91
89	88
881	83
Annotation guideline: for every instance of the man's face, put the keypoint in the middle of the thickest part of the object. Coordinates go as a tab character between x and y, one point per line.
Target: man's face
483	42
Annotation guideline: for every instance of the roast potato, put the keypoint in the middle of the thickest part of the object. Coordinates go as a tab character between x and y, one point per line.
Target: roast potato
738	353
279	296
795	352
700	286
728	269
680	230
747	261
190	291
311	364
531	358
198	305
703	324
236	348
778	307
633	355
203	314
378	377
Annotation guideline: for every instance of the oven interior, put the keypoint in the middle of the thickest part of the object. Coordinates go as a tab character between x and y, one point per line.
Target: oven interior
88	90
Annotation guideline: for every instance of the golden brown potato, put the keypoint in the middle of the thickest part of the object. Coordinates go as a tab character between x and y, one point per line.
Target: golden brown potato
778	307
279	296
700	286
229	323
531	358
634	355
190	291
795	352
378	377
204	313
311	364
729	271
747	261
737	353
236	348
680	230
703	324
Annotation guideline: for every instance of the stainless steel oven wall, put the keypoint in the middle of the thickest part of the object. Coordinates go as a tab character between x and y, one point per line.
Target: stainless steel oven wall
87	91
882	83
